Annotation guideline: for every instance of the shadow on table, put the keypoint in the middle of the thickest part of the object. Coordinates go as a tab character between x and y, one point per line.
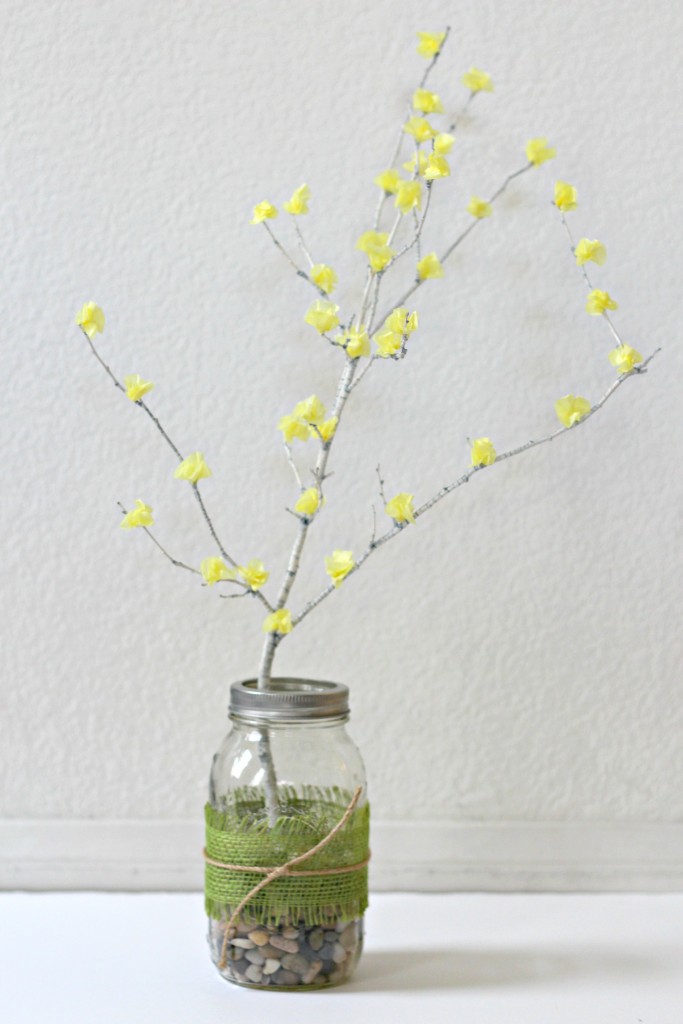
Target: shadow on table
403	970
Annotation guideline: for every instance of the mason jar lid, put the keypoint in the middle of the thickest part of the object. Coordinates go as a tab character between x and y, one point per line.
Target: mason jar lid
289	700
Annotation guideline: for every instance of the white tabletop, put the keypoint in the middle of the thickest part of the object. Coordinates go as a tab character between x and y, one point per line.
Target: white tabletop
116	958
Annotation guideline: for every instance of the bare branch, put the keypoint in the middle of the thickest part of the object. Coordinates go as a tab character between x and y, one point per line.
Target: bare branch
290	459
465	478
432	63
584	274
172	560
174	448
302	244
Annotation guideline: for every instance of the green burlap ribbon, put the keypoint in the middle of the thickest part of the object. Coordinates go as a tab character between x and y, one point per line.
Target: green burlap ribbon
239	835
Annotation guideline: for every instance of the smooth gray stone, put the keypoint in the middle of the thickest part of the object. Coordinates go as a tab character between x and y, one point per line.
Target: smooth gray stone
253	973
255	956
316	939
286	978
339	954
295	962
287	945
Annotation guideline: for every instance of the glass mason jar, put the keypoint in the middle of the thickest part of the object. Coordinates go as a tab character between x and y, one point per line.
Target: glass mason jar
287	778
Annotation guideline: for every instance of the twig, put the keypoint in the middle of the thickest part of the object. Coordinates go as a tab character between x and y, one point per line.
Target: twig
172	560
297	269
432	63
290	459
454	123
413	288
155	420
584	274
302	244
381	485
466	476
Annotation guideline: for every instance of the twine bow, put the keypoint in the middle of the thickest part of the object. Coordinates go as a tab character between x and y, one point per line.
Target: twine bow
271	873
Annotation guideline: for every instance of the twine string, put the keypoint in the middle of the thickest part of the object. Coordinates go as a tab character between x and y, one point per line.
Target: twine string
285	869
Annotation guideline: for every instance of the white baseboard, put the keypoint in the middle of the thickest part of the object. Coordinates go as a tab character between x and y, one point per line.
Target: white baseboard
425	857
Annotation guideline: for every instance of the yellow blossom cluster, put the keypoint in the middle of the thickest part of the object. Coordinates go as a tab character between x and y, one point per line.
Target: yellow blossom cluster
479	208
306	420
339	565
254	574
477	81
323	316
565	196
193	468
324	277
429	267
397	327
91	319
298	204
263	211
587	250
214	570
279	621
538	151
141	515
308	502
400	508
375	245
355	340
571	409
483	453
430	43
136	387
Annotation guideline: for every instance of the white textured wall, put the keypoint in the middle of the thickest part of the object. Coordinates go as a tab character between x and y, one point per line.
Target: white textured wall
517	654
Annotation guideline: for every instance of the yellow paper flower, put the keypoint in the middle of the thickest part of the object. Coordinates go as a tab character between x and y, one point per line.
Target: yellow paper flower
430	43
429	266
91	319
298	204
437	167
136	387
355	341
479	208
263	211
588	249
292	426
193	468
400	321
538	151
565	196
571	409
408	196
308	502
374	245
323	316
427	102
401	508
477	81
599	301
141	515
327	429
624	358
422	161
214	569
483	452
339	565
324	277
278	622
443	143
388	181
388	343
311	410
254	573
419	128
